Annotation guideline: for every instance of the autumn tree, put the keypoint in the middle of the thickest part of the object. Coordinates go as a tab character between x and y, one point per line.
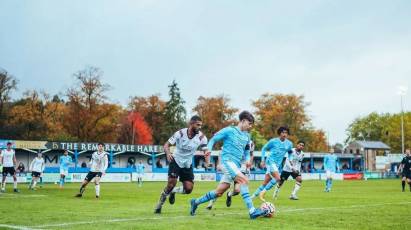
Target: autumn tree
215	112
152	109
89	116
8	83
135	130
275	110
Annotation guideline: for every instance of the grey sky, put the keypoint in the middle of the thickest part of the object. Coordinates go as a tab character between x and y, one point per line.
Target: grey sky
347	57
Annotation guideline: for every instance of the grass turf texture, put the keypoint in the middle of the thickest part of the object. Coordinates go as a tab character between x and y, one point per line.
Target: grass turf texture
372	204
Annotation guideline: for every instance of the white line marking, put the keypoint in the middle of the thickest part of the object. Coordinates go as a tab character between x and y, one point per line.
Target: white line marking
222	214
15	196
16	227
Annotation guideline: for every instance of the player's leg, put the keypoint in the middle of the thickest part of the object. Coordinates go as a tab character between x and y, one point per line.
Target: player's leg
275	177
171	183
62	179
403	182
236	190
409	180
187	179
85	182
257	192
328	182
97	185
15	181
3	181
298	181
283	177
211	195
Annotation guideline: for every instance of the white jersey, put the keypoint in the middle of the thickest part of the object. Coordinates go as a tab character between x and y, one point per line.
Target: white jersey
37	165
99	162
243	163
186	147
293	161
8	157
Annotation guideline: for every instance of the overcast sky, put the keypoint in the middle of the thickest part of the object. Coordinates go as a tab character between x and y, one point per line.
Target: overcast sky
347	58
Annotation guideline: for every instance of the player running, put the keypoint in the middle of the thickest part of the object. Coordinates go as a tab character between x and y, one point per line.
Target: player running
99	164
36	168
235	145
330	165
292	168
9	162
187	141
279	147
405	169
140	172
236	188
65	162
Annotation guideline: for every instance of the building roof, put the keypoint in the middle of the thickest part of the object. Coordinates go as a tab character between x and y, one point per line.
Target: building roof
372	145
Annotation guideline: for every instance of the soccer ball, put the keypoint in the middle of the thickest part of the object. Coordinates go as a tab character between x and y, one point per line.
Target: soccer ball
268	206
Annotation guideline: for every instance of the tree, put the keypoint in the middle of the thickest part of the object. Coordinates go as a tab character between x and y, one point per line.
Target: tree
215	112
258	139
135	129
8	83
275	110
89	116
152	109
174	112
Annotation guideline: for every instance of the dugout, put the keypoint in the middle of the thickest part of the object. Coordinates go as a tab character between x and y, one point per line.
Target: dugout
368	150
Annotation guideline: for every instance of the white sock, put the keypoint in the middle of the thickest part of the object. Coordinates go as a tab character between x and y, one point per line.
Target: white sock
297	187
179	189
230	193
34	184
97	189
3	185
15	184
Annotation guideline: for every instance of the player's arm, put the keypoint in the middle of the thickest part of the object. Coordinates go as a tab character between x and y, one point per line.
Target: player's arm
32	165
266	147
337	163
171	141
219	136
203	147
105	166
325	162
247	154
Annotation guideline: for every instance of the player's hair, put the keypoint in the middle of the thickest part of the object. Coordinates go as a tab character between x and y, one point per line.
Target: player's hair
301	142
9	143
246	115
195	118
101	143
282	129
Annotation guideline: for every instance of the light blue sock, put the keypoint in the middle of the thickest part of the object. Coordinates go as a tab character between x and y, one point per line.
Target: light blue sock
207	197
259	189
331	184
61	181
246	197
270	184
326	184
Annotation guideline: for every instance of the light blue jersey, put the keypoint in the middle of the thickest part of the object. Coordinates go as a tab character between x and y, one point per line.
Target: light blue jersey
140	168
330	162
65	162
278	150
235	144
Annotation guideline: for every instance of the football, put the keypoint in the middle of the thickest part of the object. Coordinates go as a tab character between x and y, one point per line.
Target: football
268	206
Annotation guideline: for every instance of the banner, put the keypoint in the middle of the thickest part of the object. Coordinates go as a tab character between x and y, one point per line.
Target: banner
353	176
79	146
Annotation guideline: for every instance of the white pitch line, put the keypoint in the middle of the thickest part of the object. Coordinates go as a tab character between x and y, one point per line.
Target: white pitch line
15	196
226	214
16	227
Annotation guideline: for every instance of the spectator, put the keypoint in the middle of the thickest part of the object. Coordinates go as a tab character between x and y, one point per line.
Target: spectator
84	165
158	163
20	168
345	166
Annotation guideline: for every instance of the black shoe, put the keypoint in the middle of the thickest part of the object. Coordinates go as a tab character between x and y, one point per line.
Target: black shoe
228	200
172	198
16	190
79	195
157	211
97	197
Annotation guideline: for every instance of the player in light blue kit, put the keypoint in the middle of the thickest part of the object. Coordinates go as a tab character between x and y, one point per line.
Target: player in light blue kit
65	162
279	148
140	173
330	165
236	141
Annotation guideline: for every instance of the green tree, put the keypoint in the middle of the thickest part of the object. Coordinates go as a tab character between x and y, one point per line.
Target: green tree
174	112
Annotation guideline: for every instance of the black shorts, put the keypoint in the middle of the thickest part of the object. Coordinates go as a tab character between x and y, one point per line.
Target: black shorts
185	174
35	174
406	175
9	170
284	175
91	175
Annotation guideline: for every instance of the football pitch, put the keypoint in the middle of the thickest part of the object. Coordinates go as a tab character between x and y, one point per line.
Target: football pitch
372	204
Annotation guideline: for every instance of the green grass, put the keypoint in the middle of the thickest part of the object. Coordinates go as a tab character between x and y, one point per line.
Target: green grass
372	204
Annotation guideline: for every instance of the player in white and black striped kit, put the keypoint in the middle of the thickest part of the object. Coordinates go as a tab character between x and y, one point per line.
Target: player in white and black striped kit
36	168
292	167
9	162
187	141
99	164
